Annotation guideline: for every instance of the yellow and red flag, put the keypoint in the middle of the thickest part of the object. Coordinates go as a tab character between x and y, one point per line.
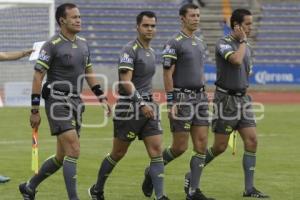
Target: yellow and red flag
35	151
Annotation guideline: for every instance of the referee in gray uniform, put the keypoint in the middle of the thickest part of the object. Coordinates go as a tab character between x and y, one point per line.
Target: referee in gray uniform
65	58
183	62
136	115
232	106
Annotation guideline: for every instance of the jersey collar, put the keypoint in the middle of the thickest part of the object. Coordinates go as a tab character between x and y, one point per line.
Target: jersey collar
139	43
66	39
185	35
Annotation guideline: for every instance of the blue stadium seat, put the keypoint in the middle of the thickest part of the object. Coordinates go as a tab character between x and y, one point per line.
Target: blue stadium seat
277	38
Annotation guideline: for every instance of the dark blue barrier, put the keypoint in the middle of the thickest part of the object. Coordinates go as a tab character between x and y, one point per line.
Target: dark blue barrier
263	75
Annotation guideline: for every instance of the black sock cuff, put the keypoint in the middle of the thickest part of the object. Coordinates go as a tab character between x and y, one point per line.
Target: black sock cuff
199	155
170	153
110	160
56	162
70	159
248	153
157	159
210	152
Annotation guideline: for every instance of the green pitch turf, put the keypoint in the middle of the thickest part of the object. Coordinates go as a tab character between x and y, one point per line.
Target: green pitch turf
277	171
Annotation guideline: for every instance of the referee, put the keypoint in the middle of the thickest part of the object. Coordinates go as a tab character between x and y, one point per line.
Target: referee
232	105
183	62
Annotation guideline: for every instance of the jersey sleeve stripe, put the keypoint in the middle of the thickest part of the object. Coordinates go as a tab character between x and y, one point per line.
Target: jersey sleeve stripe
42	64
228	54
125	67
88	66
170	56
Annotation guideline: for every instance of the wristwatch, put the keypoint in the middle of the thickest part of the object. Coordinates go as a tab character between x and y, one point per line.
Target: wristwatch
34	111
142	104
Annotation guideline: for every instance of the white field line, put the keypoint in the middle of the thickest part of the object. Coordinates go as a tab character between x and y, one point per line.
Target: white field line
53	140
95	139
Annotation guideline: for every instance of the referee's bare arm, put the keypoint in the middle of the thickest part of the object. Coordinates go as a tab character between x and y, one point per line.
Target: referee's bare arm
14	55
35	118
238	56
38	77
93	83
168	78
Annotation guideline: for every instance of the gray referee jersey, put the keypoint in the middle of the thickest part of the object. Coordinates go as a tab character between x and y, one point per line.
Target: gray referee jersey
188	54
65	61
230	76
142	62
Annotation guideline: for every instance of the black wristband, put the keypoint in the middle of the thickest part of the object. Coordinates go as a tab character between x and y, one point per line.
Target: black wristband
97	90
35	99
142	104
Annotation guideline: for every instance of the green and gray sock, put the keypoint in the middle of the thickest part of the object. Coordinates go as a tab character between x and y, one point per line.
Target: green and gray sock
168	155
209	156
106	168
156	172
196	164
70	176
49	167
249	163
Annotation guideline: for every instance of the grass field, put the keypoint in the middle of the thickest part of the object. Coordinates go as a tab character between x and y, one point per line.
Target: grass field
277	171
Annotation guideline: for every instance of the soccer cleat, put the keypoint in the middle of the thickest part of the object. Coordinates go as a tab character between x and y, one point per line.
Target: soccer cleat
4	179
198	195
163	198
95	195
187	178
27	193
147	186
255	194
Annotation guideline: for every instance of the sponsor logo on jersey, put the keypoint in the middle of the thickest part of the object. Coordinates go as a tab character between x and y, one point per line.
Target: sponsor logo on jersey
43	56
126	59
168	50
224	47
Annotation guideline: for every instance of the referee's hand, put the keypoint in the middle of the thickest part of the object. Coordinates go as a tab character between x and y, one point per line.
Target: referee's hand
239	32
35	120
27	52
107	107
147	111
172	111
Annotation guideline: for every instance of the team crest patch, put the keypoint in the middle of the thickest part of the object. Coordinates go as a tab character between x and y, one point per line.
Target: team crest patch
168	50
224	47
126	59
74	46
43	56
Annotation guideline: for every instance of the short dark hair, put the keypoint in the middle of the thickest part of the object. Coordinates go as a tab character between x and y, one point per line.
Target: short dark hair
140	16
238	16
61	11
184	9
